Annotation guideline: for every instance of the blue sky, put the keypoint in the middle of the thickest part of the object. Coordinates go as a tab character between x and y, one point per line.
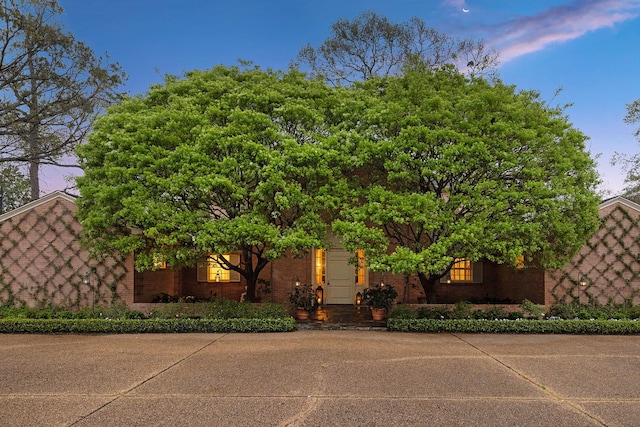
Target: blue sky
589	48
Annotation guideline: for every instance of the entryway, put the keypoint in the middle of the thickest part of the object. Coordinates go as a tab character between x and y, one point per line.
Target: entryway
342	279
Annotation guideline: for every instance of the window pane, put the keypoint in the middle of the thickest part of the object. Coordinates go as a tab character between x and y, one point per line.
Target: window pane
461	270
320	266
218	271
360	269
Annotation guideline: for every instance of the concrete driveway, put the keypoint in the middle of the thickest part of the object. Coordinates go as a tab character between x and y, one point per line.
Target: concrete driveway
319	378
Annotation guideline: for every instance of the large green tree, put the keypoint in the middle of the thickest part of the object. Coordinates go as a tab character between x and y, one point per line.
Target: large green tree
216	162
457	167
51	87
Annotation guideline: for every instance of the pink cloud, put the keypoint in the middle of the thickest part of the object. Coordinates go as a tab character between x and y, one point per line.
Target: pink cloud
559	24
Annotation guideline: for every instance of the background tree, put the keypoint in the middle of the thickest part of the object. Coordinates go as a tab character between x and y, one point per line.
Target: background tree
221	161
464	169
14	188
631	164
51	86
370	45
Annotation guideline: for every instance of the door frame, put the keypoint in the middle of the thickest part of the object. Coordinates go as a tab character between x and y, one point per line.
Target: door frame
355	287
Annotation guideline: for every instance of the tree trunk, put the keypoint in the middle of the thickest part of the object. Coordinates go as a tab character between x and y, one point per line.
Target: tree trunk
251	288
33	132
34	176
251	273
428	283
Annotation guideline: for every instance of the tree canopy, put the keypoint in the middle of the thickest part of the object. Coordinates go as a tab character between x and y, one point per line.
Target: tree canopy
465	169
417	170
51	86
372	46
220	161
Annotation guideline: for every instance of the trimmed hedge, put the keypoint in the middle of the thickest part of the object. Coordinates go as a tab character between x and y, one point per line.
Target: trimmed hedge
523	326
136	326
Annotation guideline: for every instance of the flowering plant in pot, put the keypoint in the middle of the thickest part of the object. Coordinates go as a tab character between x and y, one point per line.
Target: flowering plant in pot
303	299
379	298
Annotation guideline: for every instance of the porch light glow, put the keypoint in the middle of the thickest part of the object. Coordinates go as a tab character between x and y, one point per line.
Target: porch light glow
319	295
583	281
359	298
297	282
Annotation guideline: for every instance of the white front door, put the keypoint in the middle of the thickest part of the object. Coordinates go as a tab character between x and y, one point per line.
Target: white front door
340	277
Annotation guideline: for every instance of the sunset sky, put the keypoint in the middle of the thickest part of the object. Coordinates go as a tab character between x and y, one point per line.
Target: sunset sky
589	48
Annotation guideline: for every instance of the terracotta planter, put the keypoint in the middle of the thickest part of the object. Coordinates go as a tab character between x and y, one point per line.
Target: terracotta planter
302	314
378	313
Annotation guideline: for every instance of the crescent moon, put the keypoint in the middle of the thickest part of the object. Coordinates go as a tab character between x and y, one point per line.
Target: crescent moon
465	10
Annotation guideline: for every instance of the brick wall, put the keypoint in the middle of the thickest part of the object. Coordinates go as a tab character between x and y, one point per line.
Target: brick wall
43	261
610	262
283	273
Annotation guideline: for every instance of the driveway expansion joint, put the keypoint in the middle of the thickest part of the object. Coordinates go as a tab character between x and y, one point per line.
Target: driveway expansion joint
146	380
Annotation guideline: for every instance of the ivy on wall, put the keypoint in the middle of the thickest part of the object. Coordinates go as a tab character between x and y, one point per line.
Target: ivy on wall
610	263
42	261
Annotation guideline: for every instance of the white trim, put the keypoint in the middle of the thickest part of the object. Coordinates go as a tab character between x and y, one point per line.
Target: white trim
35	203
619	200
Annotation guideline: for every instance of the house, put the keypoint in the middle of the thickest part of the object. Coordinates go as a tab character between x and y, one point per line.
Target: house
43	262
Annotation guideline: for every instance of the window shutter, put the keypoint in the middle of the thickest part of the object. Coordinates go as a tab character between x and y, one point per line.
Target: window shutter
234	259
203	271
477	272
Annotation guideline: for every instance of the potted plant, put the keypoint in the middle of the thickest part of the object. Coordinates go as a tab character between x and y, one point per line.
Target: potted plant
303	300
379	299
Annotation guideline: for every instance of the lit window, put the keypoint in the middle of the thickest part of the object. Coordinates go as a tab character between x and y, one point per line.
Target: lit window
215	270
360	268
159	262
461	270
520	262
320	266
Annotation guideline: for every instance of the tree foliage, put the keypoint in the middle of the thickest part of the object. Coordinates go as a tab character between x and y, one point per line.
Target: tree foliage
465	169
220	161
417	170
372	46
631	164
14	188
51	86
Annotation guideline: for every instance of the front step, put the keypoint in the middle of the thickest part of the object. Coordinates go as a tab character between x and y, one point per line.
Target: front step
332	317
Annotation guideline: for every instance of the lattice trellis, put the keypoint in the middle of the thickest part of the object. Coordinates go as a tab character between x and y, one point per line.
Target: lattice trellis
43	262
610	262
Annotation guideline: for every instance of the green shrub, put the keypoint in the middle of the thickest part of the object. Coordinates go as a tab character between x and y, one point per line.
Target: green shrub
121	326
219	309
523	326
573	311
118	310
531	310
563	311
270	310
402	311
462	310
632	312
490	314
426	312
12	312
